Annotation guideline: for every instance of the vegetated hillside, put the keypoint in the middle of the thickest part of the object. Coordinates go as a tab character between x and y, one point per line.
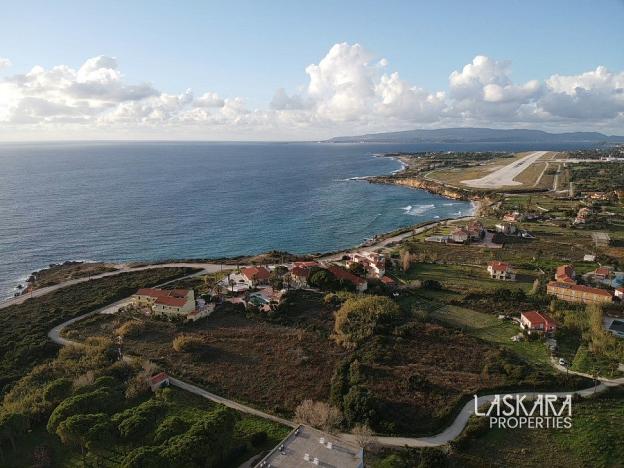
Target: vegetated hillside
24	327
87	408
477	135
409	376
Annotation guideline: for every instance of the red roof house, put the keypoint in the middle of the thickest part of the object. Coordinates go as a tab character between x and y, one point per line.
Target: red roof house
340	273
256	275
388	281
537	321
565	274
159	380
501	271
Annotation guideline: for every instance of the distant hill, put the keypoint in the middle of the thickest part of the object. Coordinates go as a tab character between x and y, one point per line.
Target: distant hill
477	135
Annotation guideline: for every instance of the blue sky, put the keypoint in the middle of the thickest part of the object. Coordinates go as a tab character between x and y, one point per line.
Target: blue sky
249	49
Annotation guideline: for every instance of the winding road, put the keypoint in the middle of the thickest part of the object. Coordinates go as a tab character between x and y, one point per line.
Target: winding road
444	437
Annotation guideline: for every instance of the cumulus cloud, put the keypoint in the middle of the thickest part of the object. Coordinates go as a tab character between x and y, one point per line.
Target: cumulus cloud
349	90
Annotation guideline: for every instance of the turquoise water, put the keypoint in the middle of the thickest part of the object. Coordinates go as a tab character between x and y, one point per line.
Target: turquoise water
152	201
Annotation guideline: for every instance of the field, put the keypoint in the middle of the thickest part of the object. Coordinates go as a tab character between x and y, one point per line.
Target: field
552	246
489	328
465	277
56	274
529	177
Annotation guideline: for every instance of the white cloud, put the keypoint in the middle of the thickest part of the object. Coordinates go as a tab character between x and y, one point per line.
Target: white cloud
348	91
209	100
4	63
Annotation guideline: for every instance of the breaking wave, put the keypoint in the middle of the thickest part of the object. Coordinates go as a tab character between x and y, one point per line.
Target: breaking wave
417	210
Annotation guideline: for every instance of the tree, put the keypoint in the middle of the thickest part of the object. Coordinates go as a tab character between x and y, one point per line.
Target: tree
205	443
169	427
145	457
363	435
322	279
57	390
361	317
406	260
100	400
358	406
357	269
276	281
318	414
12	425
75	429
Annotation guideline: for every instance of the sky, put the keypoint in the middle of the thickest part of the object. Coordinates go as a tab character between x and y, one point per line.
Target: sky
294	70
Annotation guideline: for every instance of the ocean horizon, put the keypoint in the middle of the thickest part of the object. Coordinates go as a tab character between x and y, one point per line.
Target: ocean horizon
150	201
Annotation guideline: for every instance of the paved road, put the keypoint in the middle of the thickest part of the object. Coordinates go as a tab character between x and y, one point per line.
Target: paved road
504	177
206	268
209	267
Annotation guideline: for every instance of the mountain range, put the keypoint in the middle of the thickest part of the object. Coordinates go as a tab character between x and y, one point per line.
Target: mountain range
478	135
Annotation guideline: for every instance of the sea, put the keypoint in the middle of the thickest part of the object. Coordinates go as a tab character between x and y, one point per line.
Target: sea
145	201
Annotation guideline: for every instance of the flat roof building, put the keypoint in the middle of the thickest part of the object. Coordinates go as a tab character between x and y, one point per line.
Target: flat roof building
305	447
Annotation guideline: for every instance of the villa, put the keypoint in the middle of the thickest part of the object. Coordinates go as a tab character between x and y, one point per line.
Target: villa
582	216
254	276
603	273
172	302
374	263
565	274
501	271
578	293
506	228
534	321
299	277
475	230
460	236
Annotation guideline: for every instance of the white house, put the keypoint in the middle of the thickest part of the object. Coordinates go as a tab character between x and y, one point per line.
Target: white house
374	263
501	271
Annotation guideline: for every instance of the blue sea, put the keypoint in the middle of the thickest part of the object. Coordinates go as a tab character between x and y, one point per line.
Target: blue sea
162	200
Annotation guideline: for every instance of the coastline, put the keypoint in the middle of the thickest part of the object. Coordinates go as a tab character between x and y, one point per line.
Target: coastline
398	177
23	285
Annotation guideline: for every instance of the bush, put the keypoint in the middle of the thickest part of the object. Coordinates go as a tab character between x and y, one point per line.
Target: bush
187	343
359	406
57	390
318	414
131	329
431	284
169	427
361	317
